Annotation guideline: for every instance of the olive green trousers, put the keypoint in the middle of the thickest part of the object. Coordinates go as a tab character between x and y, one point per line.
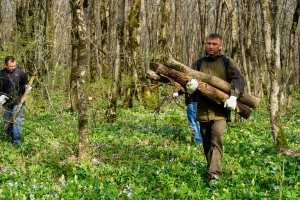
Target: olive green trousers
212	134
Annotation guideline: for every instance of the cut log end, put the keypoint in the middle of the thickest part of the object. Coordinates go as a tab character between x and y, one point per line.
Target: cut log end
243	110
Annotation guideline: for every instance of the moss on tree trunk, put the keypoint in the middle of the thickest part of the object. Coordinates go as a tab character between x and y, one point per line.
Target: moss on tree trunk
150	98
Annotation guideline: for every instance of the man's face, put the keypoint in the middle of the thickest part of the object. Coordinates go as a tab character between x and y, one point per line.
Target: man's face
11	65
213	46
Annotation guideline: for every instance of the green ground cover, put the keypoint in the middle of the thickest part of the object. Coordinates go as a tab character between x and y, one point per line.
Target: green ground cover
146	156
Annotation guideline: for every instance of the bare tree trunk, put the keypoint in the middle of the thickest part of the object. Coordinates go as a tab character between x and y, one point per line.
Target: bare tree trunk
242	47
119	42
177	38
104	40
74	69
252	83
74	66
278	134
203	9
111	112
164	31
97	37
260	55
25	30
260	72
244	63
79	20
218	16
234	29
292	61
132	48
144	43
92	44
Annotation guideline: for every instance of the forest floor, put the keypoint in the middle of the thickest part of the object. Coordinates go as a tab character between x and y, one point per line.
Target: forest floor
146	155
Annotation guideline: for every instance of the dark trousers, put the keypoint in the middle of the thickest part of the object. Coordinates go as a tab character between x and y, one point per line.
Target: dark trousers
212	134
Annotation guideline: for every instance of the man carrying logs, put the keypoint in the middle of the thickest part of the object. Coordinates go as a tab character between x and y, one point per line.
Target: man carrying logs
212	116
220	89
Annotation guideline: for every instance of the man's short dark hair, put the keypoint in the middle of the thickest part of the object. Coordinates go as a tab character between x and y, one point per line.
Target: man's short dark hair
214	35
9	58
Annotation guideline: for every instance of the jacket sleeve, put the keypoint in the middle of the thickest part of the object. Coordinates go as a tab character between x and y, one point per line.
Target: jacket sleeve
236	78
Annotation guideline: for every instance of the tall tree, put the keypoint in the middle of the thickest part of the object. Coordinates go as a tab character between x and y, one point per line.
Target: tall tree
271	43
26	30
103	39
74	66
132	49
234	29
164	31
177	38
78	19
241	20
219	12
203	10
261	66
111	112
292	61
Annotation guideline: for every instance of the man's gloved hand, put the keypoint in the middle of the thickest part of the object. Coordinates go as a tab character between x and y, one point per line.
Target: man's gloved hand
192	86
29	87
175	94
230	103
3	99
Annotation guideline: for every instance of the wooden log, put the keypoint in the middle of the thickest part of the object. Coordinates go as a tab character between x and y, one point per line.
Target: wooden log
212	93
161	78
214	81
156	77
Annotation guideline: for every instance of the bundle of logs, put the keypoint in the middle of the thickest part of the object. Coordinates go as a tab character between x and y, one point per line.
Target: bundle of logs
217	90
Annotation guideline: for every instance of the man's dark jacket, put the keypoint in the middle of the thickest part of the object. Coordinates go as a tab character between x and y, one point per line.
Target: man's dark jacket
12	84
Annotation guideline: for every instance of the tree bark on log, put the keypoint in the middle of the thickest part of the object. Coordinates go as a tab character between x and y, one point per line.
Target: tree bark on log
245	98
214	94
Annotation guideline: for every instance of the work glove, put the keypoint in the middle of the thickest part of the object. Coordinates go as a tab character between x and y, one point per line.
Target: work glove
3	99
29	87
192	86
230	103
175	94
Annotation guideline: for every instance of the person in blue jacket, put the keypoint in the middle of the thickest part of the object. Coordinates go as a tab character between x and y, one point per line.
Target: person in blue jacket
191	102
